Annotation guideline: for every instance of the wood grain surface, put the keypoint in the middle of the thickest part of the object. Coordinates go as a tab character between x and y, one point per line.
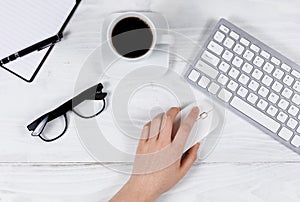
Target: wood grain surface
246	165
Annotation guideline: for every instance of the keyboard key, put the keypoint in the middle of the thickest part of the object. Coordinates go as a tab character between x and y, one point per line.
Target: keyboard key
258	61
267	80
239	49
224	66
244	79
296	74
296	86
237	61
265	54
225	95
283	104
242	92
210	58
277	86
227	55
292	123
194	75
252	98
296	99
206	69
286	67
245	42
204	82
296	141
232	85
257	74
285	134
288	80
282	117
253	85
247	68
278	74
234	73
272	110
234	35
248	55
293	110
255	115
275	60
219	37
287	93
228	43
268	67
213	88
263	91
215	48
224	29
254	48
262	104
273	98
223	79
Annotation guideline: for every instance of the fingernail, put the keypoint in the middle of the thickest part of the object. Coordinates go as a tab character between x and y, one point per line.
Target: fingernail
195	110
198	145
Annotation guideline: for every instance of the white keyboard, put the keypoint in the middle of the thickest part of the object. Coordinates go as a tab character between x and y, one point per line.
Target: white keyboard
257	82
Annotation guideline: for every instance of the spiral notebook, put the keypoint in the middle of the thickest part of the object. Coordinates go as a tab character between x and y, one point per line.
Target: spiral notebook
27	22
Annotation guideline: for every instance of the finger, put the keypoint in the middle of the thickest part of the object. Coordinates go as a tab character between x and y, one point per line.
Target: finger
155	127
189	159
167	125
145	132
185	128
144	137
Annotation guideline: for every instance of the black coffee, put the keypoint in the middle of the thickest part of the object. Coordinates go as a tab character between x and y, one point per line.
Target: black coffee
132	37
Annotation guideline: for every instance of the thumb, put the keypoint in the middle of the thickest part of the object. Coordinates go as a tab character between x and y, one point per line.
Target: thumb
189	158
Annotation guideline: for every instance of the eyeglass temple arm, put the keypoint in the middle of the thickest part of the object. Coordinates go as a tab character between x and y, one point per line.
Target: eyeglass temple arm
61	110
93	93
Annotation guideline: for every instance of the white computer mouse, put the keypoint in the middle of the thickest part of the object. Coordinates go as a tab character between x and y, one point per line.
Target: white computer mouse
207	122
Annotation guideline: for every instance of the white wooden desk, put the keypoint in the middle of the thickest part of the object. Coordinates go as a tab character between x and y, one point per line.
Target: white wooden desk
246	165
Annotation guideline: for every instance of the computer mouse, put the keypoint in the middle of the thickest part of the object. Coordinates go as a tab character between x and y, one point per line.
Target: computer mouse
207	121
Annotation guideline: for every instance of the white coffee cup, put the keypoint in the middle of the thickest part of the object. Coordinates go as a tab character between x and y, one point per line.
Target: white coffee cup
131	22
115	64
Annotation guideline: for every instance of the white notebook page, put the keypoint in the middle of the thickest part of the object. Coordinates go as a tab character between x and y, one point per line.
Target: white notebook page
26	22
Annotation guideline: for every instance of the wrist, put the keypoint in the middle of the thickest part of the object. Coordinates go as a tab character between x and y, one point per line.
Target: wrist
139	192
133	192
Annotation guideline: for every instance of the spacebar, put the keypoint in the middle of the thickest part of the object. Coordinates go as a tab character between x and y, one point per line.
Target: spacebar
255	115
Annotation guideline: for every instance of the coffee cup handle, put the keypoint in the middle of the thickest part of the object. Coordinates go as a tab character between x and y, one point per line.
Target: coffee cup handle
166	39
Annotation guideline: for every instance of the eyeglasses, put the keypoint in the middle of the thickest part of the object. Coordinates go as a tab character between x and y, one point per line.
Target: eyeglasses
87	104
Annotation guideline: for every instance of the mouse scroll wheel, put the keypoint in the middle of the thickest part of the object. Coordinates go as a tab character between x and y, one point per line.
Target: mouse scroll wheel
203	115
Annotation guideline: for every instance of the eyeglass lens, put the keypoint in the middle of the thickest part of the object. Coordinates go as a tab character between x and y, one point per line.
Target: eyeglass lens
89	108
54	129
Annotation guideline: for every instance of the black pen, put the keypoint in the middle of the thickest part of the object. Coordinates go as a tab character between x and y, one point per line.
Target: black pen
36	47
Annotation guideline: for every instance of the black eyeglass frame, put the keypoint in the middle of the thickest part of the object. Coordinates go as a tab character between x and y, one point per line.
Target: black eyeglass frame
92	93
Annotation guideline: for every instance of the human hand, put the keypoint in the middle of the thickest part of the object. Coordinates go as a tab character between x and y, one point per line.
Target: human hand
159	164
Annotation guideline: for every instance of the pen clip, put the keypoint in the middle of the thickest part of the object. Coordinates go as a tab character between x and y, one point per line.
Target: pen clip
45	46
51	44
